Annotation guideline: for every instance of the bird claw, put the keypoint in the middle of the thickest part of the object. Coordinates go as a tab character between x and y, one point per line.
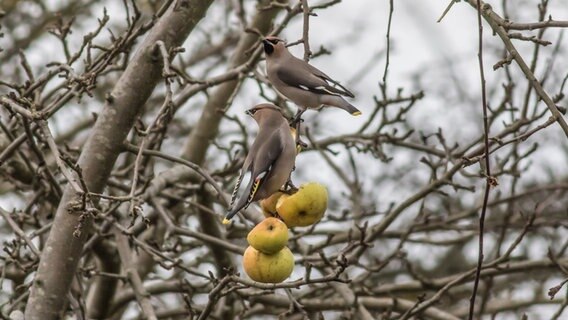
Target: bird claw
295	122
301	143
297	119
289	187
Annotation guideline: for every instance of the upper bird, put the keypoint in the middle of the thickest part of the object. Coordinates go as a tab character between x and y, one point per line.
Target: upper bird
304	84
270	160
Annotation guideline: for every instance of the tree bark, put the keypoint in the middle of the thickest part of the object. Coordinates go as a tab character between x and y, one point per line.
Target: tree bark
62	252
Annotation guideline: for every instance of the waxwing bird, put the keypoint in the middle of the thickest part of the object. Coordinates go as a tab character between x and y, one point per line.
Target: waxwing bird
304	84
270	160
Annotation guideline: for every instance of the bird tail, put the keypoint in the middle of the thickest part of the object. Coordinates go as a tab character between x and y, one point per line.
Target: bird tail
243	201
231	213
339	102
234	209
352	110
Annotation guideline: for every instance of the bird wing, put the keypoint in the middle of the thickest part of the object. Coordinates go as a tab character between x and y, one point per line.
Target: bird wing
237	187
255	171
317	72
307	77
263	163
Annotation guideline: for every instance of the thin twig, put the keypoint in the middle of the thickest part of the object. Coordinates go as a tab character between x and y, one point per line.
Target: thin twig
391	10
488	178
306	31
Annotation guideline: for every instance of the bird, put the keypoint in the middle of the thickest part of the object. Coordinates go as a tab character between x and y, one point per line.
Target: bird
269	162
302	83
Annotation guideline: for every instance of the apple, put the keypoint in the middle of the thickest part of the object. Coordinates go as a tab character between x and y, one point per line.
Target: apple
269	236
305	207
268	268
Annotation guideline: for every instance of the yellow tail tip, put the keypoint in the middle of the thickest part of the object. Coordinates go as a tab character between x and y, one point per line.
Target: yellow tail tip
226	221
357	113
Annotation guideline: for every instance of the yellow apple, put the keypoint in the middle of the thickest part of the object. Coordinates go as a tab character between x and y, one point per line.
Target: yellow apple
268	268
268	205
305	207
269	236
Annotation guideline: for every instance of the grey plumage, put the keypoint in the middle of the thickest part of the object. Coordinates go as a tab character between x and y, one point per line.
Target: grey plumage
270	160
304	84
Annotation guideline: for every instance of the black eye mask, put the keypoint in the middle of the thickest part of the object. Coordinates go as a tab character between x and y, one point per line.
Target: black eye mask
268	48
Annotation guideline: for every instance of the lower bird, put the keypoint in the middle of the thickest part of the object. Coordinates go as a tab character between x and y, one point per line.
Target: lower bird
304	84
270	160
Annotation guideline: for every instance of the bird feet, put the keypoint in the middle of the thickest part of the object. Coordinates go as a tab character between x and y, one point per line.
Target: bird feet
289	187
296	121
301	143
